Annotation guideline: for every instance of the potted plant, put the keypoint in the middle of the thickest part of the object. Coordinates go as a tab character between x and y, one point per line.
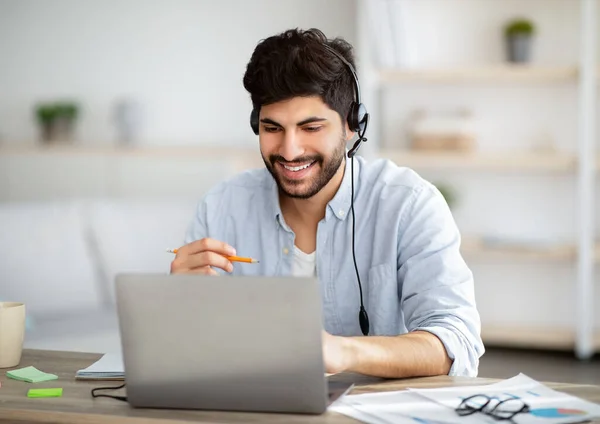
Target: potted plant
518	35
56	120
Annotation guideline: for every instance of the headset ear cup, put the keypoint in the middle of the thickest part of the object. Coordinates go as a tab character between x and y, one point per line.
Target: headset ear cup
357	117
362	118
254	120
353	117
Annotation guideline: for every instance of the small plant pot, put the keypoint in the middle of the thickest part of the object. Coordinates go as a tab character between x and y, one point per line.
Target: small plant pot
47	133
57	130
518	48
56	121
63	129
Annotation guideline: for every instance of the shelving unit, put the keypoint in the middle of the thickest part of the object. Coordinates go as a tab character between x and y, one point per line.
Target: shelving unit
241	158
104	149
475	247
497	73
582	165
499	161
483	161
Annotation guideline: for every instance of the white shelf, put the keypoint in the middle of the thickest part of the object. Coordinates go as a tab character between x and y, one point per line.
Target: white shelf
504	161
475	248
486	161
493	73
533	337
131	151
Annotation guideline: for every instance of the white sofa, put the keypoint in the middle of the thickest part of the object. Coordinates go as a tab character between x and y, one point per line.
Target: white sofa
60	258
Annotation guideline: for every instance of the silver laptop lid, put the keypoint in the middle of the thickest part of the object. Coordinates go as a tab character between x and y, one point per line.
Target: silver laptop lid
229	343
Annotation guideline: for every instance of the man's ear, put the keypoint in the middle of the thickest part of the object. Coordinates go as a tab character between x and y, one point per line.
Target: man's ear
349	133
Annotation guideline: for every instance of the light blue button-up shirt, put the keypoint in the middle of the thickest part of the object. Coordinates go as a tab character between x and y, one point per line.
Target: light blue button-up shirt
407	252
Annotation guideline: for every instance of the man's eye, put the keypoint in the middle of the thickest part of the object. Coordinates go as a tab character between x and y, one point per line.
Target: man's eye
312	129
271	129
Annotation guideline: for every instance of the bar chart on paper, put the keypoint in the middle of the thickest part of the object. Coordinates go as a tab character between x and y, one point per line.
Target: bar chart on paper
543	405
536	404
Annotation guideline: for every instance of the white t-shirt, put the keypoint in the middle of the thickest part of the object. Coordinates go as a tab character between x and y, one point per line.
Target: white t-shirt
304	264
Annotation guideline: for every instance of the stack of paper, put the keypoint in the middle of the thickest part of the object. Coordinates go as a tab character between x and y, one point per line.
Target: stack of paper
437	406
397	407
109	367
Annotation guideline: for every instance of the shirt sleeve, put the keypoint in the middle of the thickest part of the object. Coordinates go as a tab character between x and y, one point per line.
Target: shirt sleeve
197	229
437	288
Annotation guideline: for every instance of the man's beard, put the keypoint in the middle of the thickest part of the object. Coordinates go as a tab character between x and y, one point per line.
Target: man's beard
327	170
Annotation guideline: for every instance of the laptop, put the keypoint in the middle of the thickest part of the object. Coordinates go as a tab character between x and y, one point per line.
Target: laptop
224	343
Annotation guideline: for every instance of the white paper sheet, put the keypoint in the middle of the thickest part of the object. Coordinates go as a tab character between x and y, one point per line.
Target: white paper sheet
110	366
398	407
437	406
546	405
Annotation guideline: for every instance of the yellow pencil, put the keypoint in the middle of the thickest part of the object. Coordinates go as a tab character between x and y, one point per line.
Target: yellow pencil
230	258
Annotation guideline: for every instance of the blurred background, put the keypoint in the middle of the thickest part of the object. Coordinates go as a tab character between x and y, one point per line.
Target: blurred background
116	117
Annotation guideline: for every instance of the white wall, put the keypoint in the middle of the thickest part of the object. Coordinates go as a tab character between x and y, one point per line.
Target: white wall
184	59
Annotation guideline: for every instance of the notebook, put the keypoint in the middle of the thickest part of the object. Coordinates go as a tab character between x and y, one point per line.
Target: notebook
109	367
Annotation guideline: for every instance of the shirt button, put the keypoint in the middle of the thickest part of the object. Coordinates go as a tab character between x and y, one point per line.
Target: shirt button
341	213
285	251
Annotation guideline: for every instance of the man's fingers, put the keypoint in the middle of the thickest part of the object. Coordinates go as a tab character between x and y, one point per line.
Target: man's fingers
203	253
207	244
211	259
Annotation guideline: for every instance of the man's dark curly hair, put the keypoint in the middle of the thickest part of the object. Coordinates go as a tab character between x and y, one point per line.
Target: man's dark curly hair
296	63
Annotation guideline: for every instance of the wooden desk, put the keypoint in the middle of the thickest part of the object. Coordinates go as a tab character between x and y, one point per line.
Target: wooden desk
77	405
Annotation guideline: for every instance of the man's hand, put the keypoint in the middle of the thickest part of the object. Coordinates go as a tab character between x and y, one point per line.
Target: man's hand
335	353
198	257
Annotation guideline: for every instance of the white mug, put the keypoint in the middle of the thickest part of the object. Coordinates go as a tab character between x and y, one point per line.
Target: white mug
12	333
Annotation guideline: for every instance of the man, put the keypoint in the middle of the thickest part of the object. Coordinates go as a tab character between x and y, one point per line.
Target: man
294	216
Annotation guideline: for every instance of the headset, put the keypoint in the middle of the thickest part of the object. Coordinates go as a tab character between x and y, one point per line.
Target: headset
358	119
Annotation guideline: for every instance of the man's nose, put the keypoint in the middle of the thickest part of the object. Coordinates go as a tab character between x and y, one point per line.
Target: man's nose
291	147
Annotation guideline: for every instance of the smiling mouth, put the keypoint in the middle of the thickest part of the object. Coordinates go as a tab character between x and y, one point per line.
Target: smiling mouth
297	168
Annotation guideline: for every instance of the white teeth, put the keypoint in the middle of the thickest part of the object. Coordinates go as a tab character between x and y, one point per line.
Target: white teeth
297	168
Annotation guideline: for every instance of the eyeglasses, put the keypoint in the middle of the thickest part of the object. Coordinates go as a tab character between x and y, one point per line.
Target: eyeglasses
504	409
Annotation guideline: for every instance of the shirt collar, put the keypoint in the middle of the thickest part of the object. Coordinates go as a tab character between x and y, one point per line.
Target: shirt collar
339	205
273	197
341	202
